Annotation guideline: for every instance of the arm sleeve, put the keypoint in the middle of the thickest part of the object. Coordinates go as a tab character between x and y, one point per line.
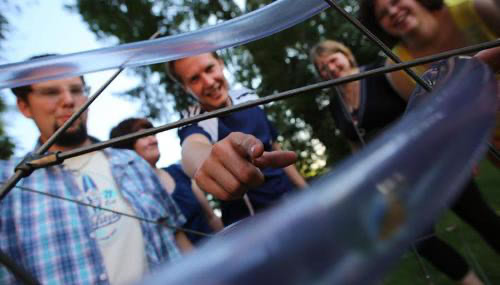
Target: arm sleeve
185	132
152	183
208	128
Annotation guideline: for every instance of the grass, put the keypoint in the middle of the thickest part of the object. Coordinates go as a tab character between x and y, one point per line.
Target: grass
481	258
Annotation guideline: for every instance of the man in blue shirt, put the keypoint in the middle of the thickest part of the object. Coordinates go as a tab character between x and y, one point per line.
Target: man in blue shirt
64	242
233	154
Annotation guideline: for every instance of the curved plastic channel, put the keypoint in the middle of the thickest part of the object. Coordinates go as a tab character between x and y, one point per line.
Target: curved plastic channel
263	22
352	225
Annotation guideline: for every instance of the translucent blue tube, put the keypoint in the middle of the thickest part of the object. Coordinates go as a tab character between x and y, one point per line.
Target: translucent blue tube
353	224
263	22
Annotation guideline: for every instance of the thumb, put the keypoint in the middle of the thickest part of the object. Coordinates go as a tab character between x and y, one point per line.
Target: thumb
276	159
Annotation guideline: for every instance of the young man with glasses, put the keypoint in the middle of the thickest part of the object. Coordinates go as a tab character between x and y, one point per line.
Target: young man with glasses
104	241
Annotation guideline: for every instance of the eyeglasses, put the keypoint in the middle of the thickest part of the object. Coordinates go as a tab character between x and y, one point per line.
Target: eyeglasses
55	93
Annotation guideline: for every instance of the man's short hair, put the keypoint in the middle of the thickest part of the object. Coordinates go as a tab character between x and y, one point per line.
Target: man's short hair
368	18
22	92
128	126
169	67
328	47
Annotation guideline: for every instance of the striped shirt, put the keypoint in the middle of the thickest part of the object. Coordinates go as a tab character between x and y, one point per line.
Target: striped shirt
52	239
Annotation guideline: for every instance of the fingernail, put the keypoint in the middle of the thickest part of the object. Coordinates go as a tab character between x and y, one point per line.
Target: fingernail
252	150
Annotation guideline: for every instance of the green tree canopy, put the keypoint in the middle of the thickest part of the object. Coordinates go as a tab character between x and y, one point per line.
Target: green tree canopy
276	63
6	144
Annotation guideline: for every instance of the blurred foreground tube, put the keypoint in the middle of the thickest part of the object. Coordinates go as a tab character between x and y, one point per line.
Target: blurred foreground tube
258	24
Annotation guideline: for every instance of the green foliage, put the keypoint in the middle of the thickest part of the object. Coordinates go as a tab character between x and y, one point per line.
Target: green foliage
6	145
3	26
276	63
130	21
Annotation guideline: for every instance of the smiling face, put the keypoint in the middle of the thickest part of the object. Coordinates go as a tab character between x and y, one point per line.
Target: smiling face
147	148
203	77
52	103
333	65
399	18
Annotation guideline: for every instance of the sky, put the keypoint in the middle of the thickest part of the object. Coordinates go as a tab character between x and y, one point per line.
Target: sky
46	27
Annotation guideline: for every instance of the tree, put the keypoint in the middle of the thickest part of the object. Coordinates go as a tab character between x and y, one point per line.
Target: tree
6	144
304	121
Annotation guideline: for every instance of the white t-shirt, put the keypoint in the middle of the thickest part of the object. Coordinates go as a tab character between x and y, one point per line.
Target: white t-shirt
119	237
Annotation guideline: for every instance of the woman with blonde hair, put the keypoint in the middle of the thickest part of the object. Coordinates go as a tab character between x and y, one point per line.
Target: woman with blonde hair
363	107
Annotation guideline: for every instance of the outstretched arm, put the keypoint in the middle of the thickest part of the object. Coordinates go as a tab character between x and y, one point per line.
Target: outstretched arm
195	149
229	168
491	57
213	221
183	242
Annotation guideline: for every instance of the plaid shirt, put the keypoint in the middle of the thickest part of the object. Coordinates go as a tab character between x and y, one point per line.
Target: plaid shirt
51	238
